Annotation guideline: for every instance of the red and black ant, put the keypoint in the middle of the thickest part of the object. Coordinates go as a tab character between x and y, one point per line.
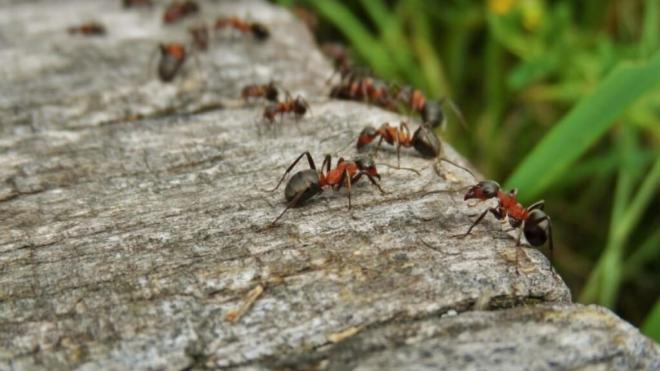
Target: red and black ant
88	29
361	87
172	57
178	10
306	184
298	106
268	91
132	3
258	30
533	222
430	110
200	36
423	140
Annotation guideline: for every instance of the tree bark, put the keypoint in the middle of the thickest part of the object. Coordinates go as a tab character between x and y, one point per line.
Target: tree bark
135	222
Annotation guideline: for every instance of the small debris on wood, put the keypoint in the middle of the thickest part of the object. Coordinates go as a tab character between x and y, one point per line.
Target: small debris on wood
342	335
252	296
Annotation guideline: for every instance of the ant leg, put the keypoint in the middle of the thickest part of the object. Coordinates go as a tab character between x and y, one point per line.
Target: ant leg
348	185
292	203
311	165
327	163
492	210
375	152
375	183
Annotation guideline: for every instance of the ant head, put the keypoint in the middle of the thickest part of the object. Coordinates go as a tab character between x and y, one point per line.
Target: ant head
483	190
260	31
272	92
537	227
426	142
367	165
366	136
300	105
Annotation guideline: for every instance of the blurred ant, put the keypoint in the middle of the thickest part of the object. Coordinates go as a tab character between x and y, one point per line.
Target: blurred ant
423	140
268	91
298	106
430	110
340	59
306	184
200	36
178	10
533	222
364	89
132	3
88	29
258	30
172	57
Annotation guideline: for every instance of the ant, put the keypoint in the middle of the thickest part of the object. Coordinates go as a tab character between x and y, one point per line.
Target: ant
306	184
132	3
423	140
533	222
298	106
178	10
430	110
88	29
258	30
172	56
358	86
268	91
200	36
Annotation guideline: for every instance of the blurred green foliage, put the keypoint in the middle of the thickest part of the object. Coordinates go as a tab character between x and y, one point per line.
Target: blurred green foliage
562	98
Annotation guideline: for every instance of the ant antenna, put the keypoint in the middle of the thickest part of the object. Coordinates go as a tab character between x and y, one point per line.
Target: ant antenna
398	167
454	108
435	166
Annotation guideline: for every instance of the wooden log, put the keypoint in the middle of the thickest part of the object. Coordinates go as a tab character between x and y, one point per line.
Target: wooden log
135	226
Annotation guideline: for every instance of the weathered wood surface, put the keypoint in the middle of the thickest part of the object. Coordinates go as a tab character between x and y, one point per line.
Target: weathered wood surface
133	221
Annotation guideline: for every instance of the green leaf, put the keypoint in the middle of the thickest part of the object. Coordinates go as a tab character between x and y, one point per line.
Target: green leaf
583	126
651	326
650	29
361	39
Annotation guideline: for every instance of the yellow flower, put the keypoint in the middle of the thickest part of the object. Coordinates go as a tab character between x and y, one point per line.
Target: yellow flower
500	6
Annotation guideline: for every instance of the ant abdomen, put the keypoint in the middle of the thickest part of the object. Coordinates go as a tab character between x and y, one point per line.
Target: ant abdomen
536	228
307	182
426	142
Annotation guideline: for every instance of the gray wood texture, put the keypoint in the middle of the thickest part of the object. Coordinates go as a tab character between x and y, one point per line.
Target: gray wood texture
134	221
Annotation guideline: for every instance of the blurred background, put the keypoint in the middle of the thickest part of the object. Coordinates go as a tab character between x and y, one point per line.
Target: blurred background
562	100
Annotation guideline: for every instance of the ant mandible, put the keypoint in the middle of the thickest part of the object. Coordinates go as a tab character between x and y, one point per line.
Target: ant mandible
306	184
533	222
258	30
298	106
178	10
268	91
88	29
172	56
423	140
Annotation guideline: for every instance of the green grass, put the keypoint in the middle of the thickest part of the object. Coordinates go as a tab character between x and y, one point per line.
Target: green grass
563	102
